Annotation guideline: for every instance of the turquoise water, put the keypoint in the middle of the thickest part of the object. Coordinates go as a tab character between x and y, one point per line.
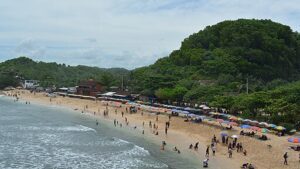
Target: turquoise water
35	136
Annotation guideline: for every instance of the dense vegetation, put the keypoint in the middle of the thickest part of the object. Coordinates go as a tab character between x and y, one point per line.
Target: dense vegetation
214	65
56	74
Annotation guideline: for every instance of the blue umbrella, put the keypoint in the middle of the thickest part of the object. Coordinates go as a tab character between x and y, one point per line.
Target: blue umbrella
245	126
226	122
223	134
272	125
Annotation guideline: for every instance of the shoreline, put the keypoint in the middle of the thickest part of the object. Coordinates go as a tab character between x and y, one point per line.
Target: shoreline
181	134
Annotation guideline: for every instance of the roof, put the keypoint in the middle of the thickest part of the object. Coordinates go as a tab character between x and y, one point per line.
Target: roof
108	94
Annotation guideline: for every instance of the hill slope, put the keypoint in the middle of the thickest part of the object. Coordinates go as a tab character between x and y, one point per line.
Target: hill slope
219	59
58	74
215	64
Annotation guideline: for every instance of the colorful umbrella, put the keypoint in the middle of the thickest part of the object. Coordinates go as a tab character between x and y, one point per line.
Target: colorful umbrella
224	133
263	130
213	113
255	128
220	120
272	125
234	136
264	124
293	131
226	122
294	140
233	118
233	124
240	119
254	122
245	126
280	128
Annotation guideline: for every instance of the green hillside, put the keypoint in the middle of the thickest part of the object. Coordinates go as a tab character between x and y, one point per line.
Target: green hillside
57	74
215	64
220	58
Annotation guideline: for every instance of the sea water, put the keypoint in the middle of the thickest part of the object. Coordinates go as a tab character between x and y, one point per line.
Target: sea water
36	136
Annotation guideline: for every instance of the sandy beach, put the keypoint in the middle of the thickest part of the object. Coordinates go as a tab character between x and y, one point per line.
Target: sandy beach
182	134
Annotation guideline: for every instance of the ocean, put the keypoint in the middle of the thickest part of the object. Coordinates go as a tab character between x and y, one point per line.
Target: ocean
45	137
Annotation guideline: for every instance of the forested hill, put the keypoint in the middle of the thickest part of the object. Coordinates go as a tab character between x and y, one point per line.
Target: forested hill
221	57
215	64
57	74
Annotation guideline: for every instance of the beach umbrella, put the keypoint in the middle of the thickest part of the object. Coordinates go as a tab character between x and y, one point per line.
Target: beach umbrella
255	128
233	124
220	120
240	119
192	115
263	130
280	128
226	122
264	124
272	125
246	121
233	118
293	131
234	136
294	139
213	113
254	122
224	133
245	126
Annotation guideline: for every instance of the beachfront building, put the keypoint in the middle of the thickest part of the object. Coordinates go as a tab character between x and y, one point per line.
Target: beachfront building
89	88
29	84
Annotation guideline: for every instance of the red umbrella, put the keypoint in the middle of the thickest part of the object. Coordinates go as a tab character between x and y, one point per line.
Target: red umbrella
294	140
255	128
220	120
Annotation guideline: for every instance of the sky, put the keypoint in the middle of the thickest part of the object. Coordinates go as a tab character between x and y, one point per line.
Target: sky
120	33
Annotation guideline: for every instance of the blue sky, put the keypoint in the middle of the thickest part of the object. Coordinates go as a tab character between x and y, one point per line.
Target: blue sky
120	33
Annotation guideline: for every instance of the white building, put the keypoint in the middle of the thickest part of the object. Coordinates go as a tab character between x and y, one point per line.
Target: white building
28	84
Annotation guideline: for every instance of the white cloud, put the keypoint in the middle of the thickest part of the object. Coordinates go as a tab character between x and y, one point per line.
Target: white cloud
29	47
121	33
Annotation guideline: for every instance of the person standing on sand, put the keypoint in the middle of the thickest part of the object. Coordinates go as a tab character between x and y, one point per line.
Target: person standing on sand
230	153
207	151
115	122
214	150
156	117
241	147
196	146
285	156
122	114
245	152
166	130
237	147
